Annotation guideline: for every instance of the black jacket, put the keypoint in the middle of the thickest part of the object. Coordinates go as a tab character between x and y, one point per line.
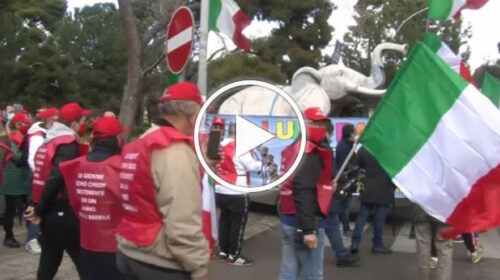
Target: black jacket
55	182
304	192
342	150
378	187
99	154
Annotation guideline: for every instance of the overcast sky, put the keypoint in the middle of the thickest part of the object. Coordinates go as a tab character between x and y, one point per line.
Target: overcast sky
484	23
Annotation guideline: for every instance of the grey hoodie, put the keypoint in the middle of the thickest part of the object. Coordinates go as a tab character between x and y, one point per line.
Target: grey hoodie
59	129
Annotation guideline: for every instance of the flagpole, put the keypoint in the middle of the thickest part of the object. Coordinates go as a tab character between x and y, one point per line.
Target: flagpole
202	63
409	18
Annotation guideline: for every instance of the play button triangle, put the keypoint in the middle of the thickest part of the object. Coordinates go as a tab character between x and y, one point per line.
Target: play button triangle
249	136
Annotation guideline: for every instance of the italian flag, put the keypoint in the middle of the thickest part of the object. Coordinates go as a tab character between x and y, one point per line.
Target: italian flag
491	88
446	9
226	17
209	214
438	139
445	53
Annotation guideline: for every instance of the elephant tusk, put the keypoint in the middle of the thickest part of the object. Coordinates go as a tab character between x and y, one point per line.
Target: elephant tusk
350	86
369	91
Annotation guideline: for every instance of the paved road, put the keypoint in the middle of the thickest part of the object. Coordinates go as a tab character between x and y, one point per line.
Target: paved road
264	247
265	250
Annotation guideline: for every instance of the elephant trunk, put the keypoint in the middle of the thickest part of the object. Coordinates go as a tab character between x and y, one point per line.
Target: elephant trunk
377	75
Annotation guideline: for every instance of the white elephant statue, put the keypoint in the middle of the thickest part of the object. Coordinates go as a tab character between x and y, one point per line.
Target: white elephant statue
313	88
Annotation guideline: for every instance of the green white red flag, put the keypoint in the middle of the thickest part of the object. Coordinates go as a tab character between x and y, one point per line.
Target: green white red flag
446	9
438	139
446	53
491	88
208	213
226	17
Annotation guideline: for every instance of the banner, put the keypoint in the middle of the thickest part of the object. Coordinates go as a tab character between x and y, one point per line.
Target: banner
286	130
337	52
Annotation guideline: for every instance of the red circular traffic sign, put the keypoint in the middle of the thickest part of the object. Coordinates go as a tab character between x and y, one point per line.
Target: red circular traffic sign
180	35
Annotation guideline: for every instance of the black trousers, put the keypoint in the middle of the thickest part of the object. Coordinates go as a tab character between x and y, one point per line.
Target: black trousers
469	241
232	222
59	233
136	270
12	204
99	266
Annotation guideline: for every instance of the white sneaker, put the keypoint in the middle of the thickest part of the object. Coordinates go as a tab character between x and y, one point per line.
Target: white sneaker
33	247
433	262
476	256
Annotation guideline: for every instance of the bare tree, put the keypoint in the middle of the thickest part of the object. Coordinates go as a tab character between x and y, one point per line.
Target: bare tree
144	35
131	94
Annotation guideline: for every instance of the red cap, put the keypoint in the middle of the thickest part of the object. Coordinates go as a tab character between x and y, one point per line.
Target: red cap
314	114
20	117
182	91
218	121
72	111
47	113
105	127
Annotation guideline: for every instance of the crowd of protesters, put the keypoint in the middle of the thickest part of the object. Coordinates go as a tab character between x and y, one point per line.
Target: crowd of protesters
133	211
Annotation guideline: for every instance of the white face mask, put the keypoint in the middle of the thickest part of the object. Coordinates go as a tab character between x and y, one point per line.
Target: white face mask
10	116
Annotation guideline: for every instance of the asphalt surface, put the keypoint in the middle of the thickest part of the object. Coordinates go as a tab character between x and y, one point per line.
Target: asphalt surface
263	247
265	251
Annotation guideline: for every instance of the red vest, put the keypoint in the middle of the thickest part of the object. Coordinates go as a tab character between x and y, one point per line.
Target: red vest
16	138
225	168
142	220
324	188
36	133
94	196
43	163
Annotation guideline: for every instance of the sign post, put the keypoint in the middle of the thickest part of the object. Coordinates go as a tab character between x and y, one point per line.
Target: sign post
202	64
180	37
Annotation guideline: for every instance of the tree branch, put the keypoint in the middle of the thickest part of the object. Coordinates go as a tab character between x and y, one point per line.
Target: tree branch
152	32
215	53
153	66
153	46
162	23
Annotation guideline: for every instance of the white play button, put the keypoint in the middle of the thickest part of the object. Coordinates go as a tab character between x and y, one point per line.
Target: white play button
249	136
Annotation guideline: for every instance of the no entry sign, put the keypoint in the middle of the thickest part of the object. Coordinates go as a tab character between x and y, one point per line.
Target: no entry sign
180	34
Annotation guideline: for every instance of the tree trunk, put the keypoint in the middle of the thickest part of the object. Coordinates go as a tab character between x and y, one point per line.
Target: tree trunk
131	94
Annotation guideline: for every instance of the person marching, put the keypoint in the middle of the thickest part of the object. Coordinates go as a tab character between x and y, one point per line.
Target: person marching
376	197
160	234
427	231
233	205
341	152
15	175
36	133
304	202
332	222
34	139
92	184
59	226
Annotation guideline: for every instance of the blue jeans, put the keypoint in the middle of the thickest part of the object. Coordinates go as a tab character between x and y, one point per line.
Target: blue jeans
345	204
33	231
297	259
332	229
365	210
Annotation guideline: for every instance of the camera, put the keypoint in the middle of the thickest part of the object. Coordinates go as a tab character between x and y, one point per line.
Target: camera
350	180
